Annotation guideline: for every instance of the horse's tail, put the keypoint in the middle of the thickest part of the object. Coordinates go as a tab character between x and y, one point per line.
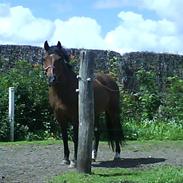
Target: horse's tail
115	130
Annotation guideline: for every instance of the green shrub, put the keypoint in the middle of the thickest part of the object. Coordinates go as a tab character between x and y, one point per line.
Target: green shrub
172	108
145	102
149	114
145	114
153	130
32	112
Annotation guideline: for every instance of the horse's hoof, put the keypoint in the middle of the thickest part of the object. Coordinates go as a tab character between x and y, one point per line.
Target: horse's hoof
93	160
65	162
94	155
72	164
117	159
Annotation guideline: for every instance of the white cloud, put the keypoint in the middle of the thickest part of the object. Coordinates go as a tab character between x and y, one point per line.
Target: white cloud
134	33
168	9
80	32
20	26
165	8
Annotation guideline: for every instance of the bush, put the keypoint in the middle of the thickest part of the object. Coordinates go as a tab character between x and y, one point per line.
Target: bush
145	102
172	108
33	116
149	114
145	114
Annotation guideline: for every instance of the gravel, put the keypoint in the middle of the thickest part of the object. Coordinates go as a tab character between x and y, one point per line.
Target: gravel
38	163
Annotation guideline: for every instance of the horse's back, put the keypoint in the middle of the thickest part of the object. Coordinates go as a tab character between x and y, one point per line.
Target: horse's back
106	92
107	81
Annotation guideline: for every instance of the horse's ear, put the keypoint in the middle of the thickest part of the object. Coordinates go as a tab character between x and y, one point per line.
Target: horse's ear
46	45
59	45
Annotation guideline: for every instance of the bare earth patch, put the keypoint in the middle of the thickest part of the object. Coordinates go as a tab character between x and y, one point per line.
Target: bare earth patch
38	163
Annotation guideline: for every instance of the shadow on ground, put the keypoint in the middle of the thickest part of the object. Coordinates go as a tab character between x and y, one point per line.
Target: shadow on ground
128	162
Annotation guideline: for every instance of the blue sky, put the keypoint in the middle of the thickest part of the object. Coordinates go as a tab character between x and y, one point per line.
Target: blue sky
64	9
119	25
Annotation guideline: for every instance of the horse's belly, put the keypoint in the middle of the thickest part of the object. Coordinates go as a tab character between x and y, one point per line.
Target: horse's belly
101	101
65	113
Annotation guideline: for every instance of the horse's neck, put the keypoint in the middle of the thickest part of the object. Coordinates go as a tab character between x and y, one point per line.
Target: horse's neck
65	90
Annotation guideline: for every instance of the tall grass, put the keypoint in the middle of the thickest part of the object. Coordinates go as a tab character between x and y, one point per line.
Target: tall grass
150	129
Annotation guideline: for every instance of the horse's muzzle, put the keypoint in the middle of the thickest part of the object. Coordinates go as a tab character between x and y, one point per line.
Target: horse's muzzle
51	80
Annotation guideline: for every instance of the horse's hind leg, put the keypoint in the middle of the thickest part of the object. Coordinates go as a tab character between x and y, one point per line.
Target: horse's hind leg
65	142
117	136
118	151
96	139
75	140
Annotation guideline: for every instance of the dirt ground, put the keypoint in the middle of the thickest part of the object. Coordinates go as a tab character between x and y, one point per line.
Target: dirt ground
38	163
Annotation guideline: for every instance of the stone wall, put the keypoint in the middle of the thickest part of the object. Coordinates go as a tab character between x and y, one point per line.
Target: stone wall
9	54
162	64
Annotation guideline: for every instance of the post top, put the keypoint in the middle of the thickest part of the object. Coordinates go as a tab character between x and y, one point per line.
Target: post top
11	88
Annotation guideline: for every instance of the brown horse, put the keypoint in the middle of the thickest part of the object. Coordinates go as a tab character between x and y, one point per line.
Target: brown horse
63	99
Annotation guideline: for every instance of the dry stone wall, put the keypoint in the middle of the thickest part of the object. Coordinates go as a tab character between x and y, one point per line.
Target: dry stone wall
127	65
9	54
162	64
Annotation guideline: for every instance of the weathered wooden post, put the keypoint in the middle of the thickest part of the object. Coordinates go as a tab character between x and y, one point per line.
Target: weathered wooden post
11	112
86	112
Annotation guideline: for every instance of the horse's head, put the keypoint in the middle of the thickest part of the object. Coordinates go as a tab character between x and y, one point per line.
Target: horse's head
55	58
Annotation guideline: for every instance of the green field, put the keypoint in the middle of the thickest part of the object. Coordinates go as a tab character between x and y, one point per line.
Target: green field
163	174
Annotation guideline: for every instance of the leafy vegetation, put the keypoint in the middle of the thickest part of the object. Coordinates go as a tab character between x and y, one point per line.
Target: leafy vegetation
150	129
146	114
33	117
149	114
162	174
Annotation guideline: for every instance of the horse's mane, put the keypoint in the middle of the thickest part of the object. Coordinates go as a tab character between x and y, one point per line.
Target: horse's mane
61	52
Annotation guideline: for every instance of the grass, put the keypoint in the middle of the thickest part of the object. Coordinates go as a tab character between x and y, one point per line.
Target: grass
144	130
162	174
38	142
142	145
146	145
154	130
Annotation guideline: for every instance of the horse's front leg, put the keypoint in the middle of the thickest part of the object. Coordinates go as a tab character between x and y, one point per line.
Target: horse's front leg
95	144
96	139
75	140
66	160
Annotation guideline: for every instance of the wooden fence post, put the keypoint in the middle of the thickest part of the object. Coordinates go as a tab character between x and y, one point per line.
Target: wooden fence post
86	112
11	112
